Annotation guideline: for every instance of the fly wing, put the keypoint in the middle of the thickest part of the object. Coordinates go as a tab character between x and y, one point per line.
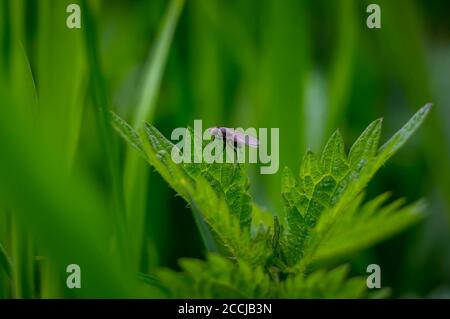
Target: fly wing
228	133
245	139
215	131
234	136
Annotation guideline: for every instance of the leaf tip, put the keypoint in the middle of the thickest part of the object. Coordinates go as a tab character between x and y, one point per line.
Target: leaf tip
426	108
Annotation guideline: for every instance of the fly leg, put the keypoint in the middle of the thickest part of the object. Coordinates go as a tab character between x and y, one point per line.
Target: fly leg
225	142
236	150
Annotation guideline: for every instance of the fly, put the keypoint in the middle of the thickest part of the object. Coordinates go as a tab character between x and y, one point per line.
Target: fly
234	138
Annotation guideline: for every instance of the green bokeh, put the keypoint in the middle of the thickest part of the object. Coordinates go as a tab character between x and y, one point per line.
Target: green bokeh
71	191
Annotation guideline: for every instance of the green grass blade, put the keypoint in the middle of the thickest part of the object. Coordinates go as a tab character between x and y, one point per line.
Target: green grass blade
135	170
341	73
66	215
128	133
156	63
406	50
5	261
109	143
61	83
23	276
20	87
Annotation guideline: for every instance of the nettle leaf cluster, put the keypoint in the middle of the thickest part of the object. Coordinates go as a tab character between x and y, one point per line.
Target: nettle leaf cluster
253	254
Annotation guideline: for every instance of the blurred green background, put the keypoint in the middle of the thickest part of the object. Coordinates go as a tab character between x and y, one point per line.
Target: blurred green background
71	191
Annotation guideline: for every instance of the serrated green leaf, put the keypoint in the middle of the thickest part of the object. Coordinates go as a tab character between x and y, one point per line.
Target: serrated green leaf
369	223
365	147
331	190
219	278
217	193
291	194
310	170
127	133
334	160
216	277
298	230
322	284
324	218
399	139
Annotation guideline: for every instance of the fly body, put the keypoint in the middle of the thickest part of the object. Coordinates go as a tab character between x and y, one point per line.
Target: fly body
234	137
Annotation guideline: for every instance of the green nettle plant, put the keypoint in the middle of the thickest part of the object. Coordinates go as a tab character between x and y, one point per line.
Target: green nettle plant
252	254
